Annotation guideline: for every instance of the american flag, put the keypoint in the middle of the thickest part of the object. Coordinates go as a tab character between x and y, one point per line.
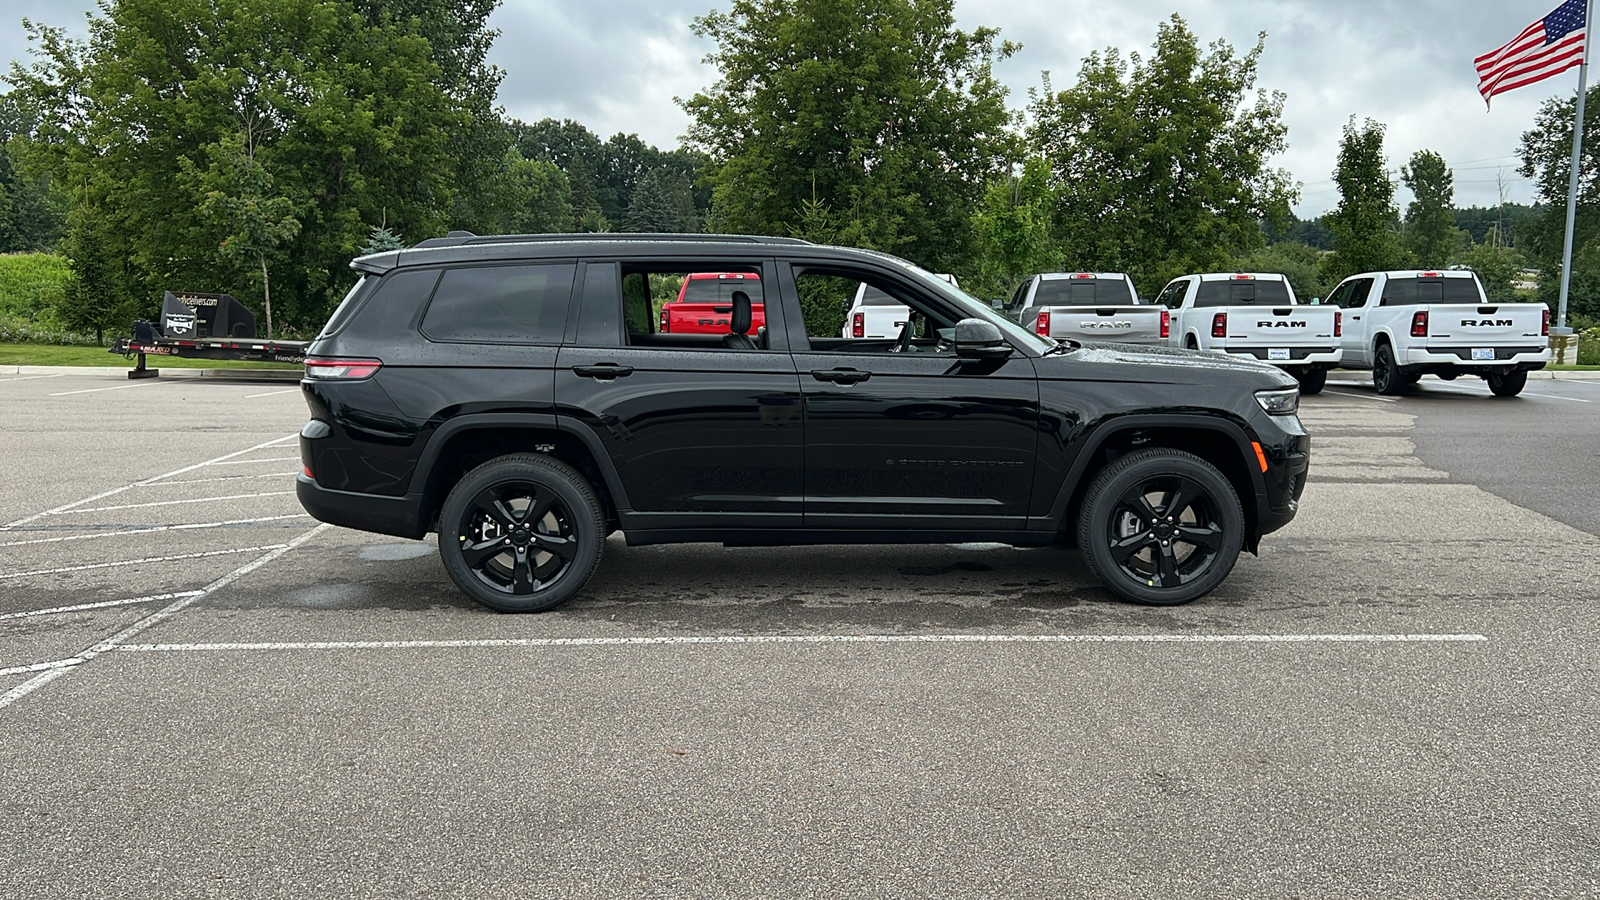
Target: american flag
1548	47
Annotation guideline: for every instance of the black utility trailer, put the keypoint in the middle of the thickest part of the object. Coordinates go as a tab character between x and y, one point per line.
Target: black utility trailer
203	326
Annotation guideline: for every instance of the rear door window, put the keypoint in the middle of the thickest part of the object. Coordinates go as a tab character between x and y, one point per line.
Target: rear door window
523	304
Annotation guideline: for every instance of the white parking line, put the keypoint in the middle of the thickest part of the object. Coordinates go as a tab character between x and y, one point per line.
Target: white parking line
101	605
1360	396
135	562
42	667
114	491
155	618
120	387
224	478
272	393
246	462
90	509
151	530
828	639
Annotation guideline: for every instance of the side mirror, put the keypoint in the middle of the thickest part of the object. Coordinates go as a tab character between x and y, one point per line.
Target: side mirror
997	304
977	339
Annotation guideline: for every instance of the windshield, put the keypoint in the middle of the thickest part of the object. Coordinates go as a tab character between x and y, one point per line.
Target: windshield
977	309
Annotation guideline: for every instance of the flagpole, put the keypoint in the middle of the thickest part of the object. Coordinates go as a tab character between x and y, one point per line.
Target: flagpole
1572	180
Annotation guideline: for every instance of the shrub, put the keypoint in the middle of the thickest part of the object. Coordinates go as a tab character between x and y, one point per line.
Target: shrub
31	282
16	330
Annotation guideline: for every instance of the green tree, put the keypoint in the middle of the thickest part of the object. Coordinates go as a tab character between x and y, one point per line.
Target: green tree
653	208
252	217
1161	164
880	111
1547	159
32	211
1014	234
1363	224
1296	261
381	240
1430	233
1497	267
361	114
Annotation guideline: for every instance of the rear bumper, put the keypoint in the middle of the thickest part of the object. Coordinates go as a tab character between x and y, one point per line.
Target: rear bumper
399	516
1421	357
1299	356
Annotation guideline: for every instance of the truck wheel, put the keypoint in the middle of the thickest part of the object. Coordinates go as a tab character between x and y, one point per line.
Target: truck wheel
1160	527
1312	380
521	533
1386	375
1508	385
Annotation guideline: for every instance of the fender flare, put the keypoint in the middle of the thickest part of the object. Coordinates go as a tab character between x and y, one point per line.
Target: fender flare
472	421
1097	439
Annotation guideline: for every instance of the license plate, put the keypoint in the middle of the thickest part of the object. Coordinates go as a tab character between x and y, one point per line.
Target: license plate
1278	353
1483	353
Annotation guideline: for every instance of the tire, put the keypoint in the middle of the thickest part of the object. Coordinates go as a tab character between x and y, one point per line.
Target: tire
1386	375
502	552
1507	385
1312	380
1197	508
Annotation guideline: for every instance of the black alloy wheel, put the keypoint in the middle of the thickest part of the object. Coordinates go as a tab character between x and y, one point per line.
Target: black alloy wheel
1507	385
1312	380
1386	375
521	533
1160	527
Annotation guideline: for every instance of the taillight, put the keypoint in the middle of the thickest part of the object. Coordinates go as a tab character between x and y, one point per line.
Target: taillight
1166	323
1338	323
858	325
662	329
1544	327
341	369
1419	324
1041	324
1219	325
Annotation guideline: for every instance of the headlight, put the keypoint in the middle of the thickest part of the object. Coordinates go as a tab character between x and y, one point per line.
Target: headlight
1279	401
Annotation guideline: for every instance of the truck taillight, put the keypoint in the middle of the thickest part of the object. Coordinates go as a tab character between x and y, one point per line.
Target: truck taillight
1041	324
858	325
1544	327
1219	325
1419	323
323	369
1338	323
663	327
1166	323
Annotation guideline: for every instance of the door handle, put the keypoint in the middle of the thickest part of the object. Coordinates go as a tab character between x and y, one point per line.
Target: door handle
840	376
1355	318
603	371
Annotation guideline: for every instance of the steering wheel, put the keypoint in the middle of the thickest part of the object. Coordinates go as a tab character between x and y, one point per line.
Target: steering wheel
902	343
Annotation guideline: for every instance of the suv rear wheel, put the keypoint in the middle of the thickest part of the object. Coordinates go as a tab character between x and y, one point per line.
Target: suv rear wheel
1160	527
521	533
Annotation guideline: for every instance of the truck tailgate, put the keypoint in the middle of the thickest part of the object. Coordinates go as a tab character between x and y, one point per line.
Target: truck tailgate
1125	324
1496	331
706	318
1280	333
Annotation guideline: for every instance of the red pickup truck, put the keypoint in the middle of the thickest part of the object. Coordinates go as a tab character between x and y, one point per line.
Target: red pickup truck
705	303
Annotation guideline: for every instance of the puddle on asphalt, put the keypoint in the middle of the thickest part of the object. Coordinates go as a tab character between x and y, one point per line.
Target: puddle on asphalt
394	552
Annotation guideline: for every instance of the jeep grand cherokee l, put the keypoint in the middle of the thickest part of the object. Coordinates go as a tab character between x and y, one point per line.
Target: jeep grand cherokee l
513	395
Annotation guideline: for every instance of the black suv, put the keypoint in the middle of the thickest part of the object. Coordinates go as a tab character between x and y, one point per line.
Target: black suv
514	394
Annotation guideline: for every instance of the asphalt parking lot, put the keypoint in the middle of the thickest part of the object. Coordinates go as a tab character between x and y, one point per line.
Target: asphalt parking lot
204	693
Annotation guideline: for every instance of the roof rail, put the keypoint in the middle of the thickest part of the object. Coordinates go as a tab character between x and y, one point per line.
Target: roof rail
467	238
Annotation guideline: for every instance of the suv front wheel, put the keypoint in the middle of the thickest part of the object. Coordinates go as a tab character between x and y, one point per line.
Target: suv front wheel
1160	527
521	533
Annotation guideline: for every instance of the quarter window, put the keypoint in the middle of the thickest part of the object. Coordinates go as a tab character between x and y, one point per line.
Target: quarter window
501	305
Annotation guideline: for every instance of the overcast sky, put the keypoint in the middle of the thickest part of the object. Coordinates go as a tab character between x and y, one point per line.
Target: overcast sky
616	65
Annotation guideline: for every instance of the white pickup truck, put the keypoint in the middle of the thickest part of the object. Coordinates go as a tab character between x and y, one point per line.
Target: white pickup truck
874	314
1088	306
1406	324
1254	316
